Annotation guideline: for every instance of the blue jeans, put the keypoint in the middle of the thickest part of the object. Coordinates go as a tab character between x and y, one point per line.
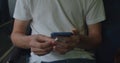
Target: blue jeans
73	61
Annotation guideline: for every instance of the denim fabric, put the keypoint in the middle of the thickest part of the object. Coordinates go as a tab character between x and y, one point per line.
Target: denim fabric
73	61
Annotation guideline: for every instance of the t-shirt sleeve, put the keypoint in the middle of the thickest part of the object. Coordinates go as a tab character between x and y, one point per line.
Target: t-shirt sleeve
95	12
22	10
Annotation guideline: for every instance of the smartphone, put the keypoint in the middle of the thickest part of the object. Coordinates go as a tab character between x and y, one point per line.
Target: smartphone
64	34
59	36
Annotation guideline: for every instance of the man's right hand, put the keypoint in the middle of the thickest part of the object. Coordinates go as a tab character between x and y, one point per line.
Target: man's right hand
41	44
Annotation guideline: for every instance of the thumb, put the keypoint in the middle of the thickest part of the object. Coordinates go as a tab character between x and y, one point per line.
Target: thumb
75	31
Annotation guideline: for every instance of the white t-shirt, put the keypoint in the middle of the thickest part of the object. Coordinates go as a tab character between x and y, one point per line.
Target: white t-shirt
60	16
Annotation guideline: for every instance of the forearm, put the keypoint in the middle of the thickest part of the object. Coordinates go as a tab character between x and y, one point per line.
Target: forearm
88	42
93	39
20	40
18	36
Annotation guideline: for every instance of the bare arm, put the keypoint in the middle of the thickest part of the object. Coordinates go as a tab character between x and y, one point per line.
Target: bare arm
18	34
93	39
39	44
88	42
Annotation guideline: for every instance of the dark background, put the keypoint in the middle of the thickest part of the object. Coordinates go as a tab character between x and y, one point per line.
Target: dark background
5	27
6	24
111	32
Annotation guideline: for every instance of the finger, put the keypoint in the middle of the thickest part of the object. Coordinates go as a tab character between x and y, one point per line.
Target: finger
64	39
38	51
40	45
46	45
41	50
75	31
61	44
45	38
34	43
60	50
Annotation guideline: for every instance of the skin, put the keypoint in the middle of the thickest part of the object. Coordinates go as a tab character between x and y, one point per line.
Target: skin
41	44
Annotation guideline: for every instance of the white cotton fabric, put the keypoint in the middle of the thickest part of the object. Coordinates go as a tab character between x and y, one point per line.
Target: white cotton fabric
60	16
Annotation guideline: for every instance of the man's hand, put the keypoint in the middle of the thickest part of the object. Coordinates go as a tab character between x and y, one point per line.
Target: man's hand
66	44
41	44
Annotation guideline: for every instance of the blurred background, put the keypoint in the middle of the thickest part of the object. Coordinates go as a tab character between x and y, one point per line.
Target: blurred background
6	24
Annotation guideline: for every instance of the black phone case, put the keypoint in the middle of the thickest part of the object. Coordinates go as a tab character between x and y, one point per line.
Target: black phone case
65	34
